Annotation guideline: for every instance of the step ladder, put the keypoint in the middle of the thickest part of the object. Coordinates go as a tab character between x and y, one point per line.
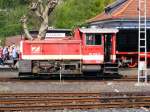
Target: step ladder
110	68
142	43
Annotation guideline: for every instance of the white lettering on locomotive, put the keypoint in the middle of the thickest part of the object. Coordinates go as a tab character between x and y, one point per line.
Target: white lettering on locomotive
35	49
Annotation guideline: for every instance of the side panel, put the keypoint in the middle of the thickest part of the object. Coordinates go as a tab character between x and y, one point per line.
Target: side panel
52	50
92	54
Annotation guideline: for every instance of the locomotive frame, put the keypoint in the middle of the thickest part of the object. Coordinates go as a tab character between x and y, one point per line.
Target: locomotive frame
89	50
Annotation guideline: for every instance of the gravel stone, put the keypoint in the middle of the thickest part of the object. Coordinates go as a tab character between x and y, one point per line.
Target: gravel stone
98	86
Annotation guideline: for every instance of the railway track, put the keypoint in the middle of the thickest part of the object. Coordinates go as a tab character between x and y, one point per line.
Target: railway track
59	101
67	79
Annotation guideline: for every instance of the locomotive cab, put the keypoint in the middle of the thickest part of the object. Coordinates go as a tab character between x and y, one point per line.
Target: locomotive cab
98	48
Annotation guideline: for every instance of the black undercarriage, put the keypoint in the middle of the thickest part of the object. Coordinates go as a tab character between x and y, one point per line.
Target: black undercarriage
57	68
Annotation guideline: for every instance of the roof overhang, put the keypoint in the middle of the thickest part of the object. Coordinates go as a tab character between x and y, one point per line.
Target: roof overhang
98	30
117	20
119	23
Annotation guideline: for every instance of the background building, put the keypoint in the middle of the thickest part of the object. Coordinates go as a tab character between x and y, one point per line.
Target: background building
123	15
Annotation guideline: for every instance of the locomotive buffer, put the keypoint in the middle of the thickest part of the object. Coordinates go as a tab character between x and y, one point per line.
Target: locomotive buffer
142	43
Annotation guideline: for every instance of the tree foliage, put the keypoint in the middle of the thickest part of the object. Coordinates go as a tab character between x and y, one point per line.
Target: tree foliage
10	13
67	14
12	3
74	12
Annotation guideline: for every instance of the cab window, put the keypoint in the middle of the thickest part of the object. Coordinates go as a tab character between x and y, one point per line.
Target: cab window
93	39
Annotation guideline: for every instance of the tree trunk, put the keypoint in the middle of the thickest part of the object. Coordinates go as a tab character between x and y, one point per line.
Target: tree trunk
45	14
25	28
43	29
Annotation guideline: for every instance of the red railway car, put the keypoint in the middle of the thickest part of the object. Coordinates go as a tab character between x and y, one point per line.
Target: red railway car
88	50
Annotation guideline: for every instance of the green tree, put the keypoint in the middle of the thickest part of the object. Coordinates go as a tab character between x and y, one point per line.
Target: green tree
12	3
68	14
10	18
75	12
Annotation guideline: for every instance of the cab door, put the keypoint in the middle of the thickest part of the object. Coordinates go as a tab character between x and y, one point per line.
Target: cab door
93	49
107	47
110	47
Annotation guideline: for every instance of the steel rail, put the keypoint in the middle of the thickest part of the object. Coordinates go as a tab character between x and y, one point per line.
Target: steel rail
35	101
77	106
80	94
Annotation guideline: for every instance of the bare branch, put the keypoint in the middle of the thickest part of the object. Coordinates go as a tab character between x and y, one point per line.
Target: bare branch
25	28
51	5
34	6
41	6
42	10
39	14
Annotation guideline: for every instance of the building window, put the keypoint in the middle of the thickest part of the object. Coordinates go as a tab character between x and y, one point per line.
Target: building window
93	39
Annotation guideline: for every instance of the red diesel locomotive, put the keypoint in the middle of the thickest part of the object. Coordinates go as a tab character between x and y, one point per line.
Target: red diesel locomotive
88	50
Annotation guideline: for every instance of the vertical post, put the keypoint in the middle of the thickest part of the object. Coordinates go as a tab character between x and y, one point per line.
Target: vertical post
60	74
113	51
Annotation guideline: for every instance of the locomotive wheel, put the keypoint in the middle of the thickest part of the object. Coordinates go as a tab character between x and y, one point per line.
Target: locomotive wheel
133	63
